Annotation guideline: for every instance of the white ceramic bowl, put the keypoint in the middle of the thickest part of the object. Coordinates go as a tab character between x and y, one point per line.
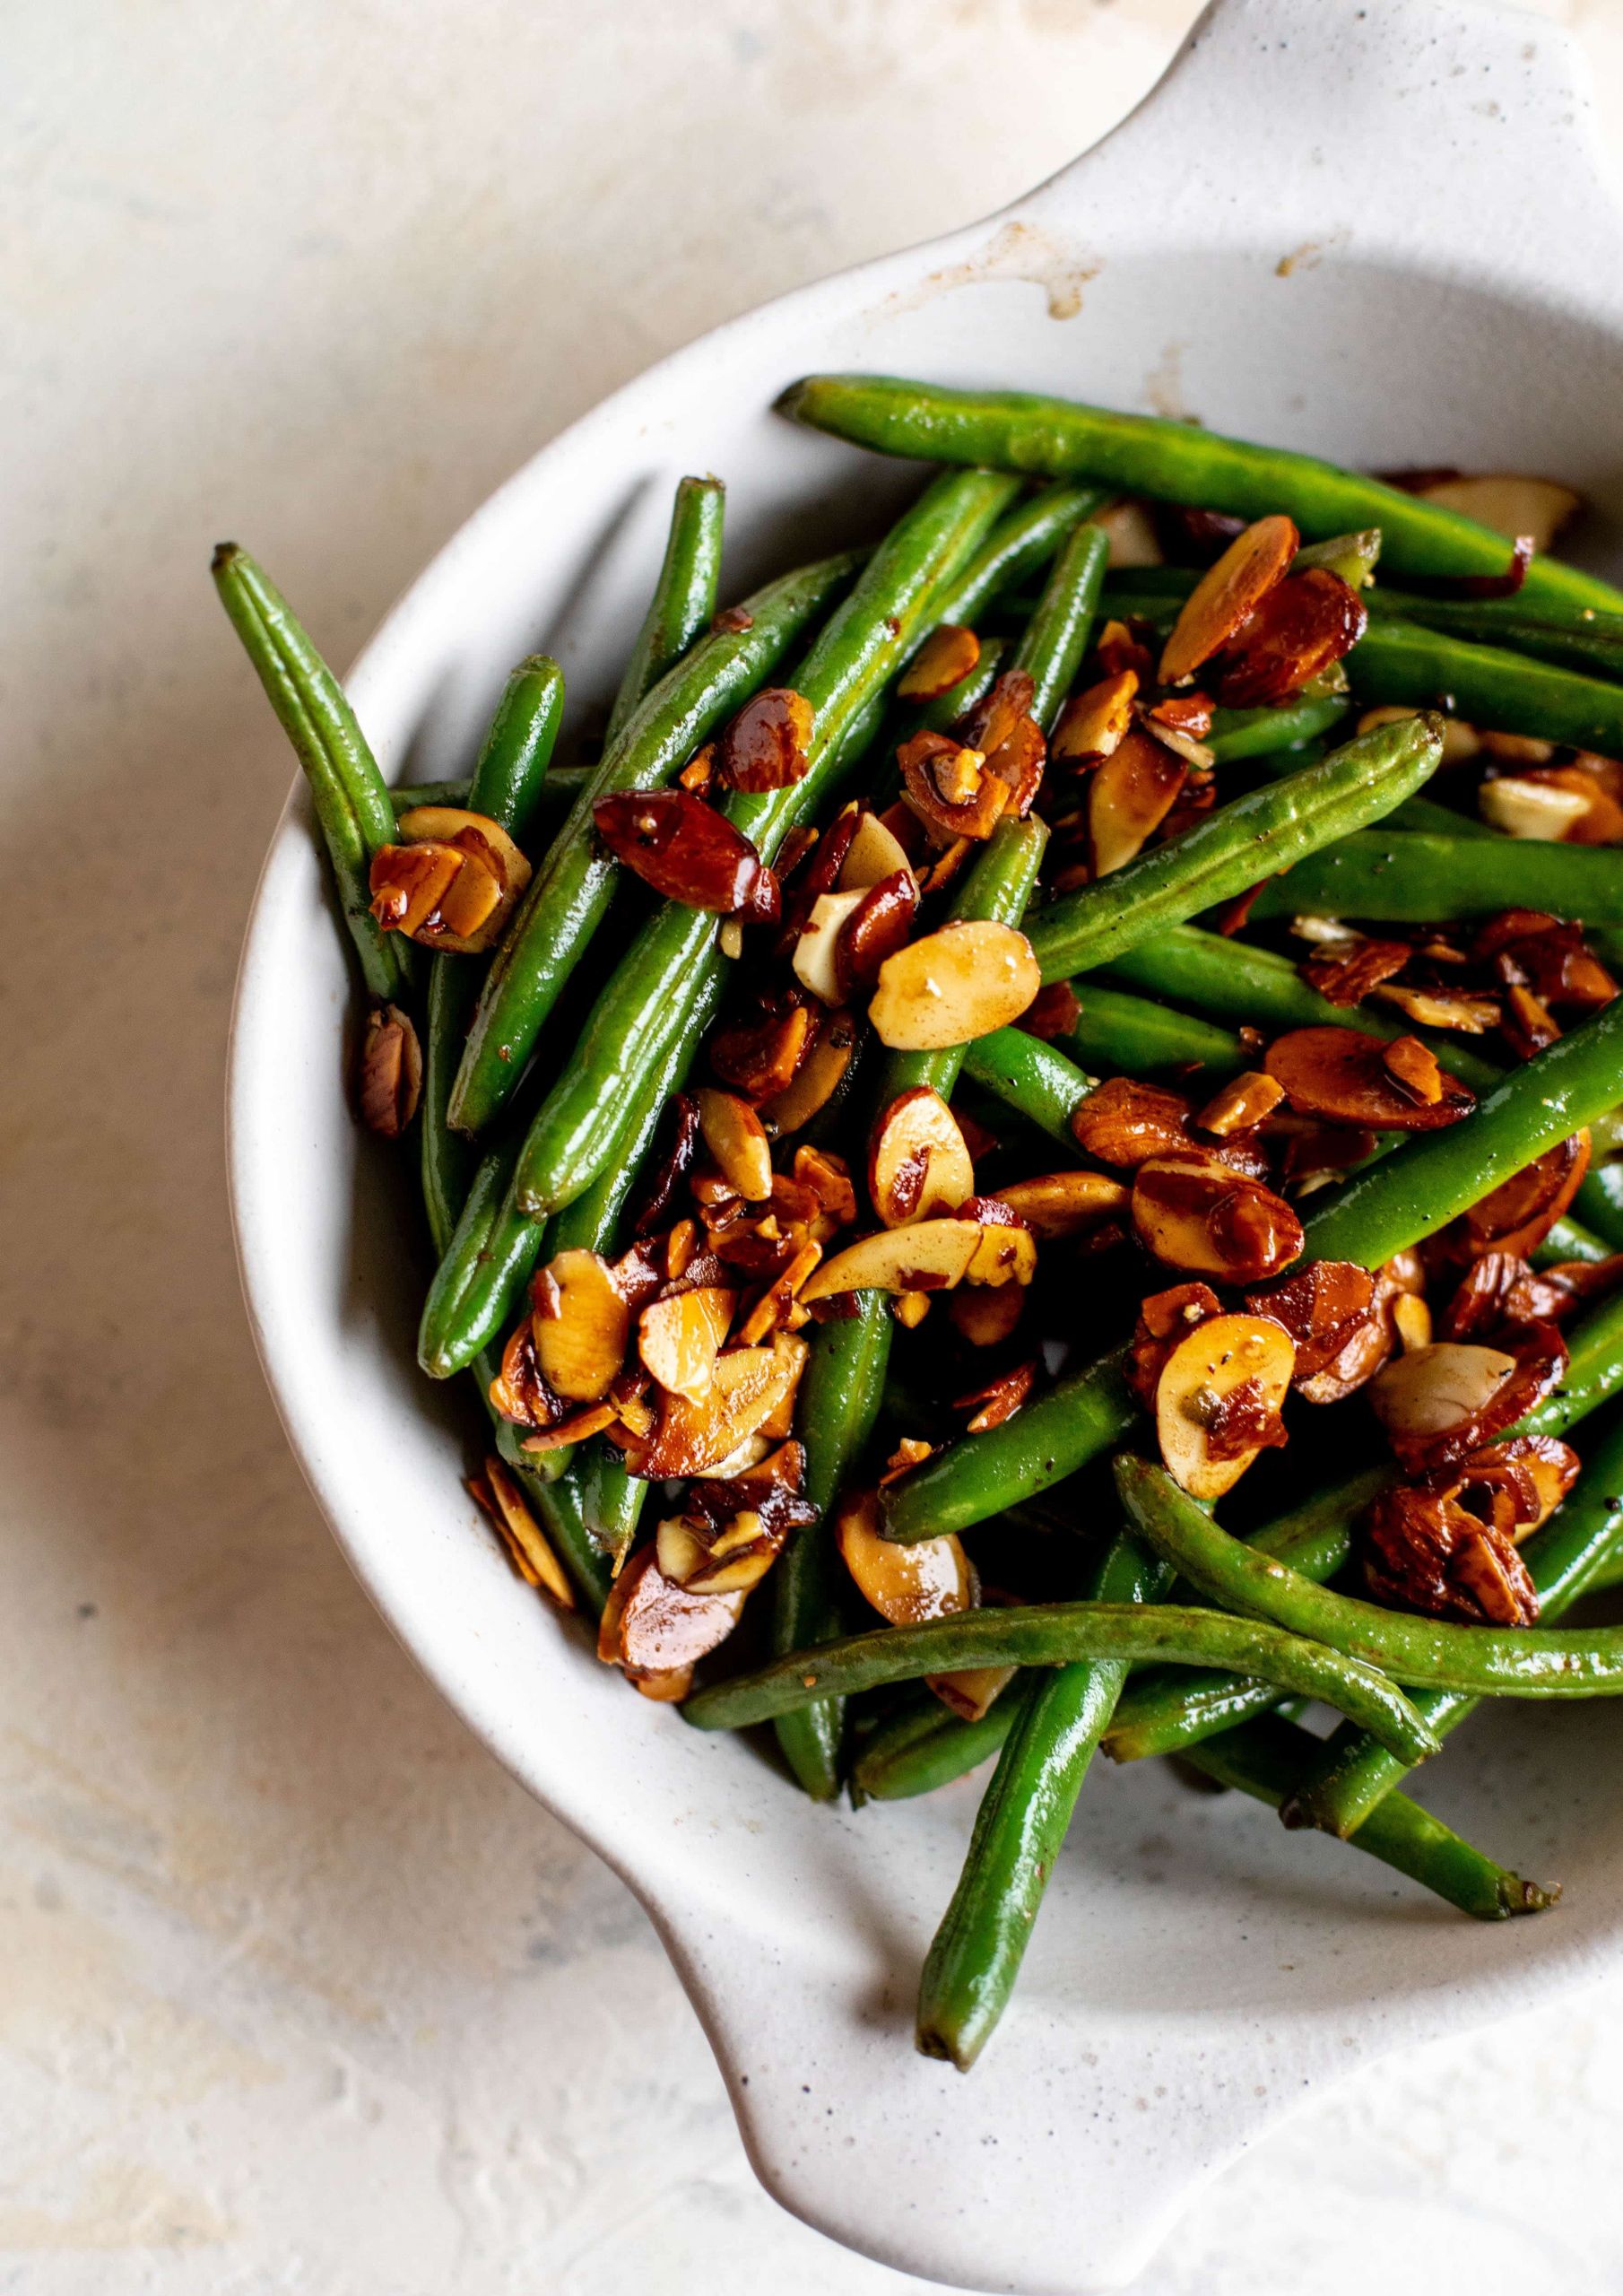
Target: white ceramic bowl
1373	229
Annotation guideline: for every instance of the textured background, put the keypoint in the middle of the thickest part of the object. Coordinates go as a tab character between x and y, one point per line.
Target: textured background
297	1991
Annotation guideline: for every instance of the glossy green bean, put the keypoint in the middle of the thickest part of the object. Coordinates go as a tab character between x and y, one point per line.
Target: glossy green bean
651	993
1275	732
1063	1634
568	896
507	786
1566	1558
684	595
1264	1759
1122	1035
927	1745
559	791
1225	853
1428	669
1174	461
1422	1653
350	797
1584	638
1395	876
1055	638
1599	1203
1023	540
1019	1829
1038	1079
836	1407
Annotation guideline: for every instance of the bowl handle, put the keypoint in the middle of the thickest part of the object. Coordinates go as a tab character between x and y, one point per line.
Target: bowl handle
1442	131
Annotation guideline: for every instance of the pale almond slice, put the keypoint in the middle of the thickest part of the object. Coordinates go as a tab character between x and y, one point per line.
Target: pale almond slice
1226	594
817	1079
1064	1203
1443	1008
581	1326
973	1691
906	1585
1240	1105
953	986
1228	1376
816	951
985	1318
1128	799
1461	742
735	1137
753	1389
738	1562
918	1163
1517	749
944	660
931	1256
498	1494
679	1339
657	1631
1411	1321
1512	506
1534	810
1132	536
1432	1389
1095	722
875	854
1004	1255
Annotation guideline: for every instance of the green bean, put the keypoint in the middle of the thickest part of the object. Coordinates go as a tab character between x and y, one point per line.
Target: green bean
1263	1759
1565	1558
836	1407
1055	638
684	596
1424	817
1130	1036
348	792
1600	1203
508	780
1175	462
559	1504
1022	541
559	791
1509	1662
568	894
1434	1176
1225	853
1582	639
1237	734
1397	662
1031	1077
1395	876
611	1499
651	993
1020	1830
927	1745
480	1278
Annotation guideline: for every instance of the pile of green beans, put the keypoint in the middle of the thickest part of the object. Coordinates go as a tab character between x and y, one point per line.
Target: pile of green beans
1174	1635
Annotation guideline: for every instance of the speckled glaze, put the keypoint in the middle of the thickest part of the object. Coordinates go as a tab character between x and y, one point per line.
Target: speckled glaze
1378	229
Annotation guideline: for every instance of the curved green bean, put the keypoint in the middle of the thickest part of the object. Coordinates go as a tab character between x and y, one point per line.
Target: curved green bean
1024	539
1397	876
1225	853
1428	669
568	896
350	798
1507	1662
1275	732
1175	462
1125	1035
927	1745
1578	638
1062	1634
1031	1077
684	595
650	995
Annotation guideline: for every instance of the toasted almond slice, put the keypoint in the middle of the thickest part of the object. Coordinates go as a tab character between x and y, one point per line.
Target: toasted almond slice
1534	810
954	985
1132	538
1512	506
1220	1384
591	1419
1095	722
657	1631
581	1325
918	1163
931	1256
680	1555
1517	749
1226	594
751	1387
734	1134
1411	1320
1212	1222
483	891
1006	1252
875	854
981	1317
906	1585
1064	1203
944	660
973	1691
817	1079
1128	799
1349	1078
408	882
679	1339
389	1072
1442	1008
1432	1389
1240	1105
816	951
498	1494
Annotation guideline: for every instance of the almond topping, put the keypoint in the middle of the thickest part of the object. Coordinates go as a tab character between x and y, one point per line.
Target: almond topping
817	1080
1241	1105
1351	1079
680	1338
1226	594
495	1491
390	1074
1094	723
918	1163
734	1135
944	660
931	1255
1129	797
451	882
658	1631
954	985
906	1585
1055	1205
875	852
580	1326
1213	1221
768	744
1217	1399
750	1388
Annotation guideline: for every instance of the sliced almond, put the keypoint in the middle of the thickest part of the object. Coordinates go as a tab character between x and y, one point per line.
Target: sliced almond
389	1072
1411	1320
1538	811
751	1387
1430	1390
1132	536
735	1137
495	1491
906	1585
657	1631
1064	1203
918	1163
1218	1400
954	985
679	1339
485	883
816	959
1351	1079
1128	798
1511	505
1095	722
1226	594
1240	1105
1442	1008
817	1079
1212	1222
931	1256
1517	749
1007	1250
973	1691
875	854
983	1317
581	1326
944	660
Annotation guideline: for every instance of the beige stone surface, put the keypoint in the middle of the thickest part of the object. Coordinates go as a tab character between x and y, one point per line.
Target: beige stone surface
297	1991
